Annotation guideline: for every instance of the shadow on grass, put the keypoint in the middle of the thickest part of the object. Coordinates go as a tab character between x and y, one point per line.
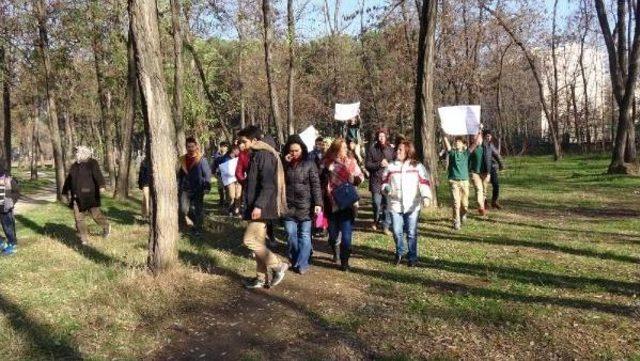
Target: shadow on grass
513	274
40	336
67	236
462	289
548	246
612	211
121	215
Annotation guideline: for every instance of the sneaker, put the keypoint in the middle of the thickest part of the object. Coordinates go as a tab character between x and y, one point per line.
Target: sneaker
107	231
398	260
3	245
374	227
456	225
278	274
254	283
386	231
482	212
412	263
345	267
10	249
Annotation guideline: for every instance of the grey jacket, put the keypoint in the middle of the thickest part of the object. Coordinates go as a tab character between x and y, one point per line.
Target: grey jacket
12	193
491	157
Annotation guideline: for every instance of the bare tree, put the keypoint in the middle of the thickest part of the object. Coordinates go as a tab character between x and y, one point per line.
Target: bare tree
6	106
267	33
178	77
424	119
160	132
52	114
623	70
291	40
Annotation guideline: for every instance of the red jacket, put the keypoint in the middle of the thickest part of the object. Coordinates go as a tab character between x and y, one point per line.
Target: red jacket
243	166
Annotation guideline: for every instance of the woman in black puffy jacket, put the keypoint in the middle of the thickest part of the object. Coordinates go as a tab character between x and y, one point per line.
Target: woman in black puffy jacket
304	200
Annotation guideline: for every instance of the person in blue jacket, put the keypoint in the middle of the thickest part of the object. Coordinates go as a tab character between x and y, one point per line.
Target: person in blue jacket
194	180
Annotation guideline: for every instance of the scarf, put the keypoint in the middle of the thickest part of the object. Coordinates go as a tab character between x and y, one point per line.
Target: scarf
281	194
188	161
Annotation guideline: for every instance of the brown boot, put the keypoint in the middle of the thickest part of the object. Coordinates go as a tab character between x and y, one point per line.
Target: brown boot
482	211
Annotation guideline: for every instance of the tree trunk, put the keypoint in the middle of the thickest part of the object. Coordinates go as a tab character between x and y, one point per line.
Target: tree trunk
6	104
630	151
178	78
291	35
160	130
52	114
273	94
424	118
122	182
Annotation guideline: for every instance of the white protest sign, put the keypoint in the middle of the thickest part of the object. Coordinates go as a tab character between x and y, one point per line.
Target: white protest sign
345	112
309	136
228	171
460	119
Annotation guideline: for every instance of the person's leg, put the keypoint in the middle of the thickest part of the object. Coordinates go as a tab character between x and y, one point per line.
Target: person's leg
230	193
9	227
411	226
486	178
291	226
185	205
464	202
334	232
238	199
81	225
495	187
386	214
346	220
398	236
101	220
304	245
477	185
456	196
146	202
221	191
254	239
377	207
197	202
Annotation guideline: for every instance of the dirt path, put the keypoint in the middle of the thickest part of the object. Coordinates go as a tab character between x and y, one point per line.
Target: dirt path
45	195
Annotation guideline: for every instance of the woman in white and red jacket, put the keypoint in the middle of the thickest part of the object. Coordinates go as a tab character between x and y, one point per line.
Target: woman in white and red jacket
406	184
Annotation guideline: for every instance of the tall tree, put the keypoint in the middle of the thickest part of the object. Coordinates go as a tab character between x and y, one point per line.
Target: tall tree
267	33
160	131
40	7
178	77
122	182
6	106
291	40
623	71
424	118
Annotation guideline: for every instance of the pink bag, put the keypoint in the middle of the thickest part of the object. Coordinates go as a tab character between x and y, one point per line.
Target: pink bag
321	221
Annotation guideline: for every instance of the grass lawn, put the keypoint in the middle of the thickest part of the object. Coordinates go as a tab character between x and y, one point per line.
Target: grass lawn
554	275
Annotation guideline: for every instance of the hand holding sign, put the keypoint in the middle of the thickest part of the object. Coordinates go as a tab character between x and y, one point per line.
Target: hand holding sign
460	119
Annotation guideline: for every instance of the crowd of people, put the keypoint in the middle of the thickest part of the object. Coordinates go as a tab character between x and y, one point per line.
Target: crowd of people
312	192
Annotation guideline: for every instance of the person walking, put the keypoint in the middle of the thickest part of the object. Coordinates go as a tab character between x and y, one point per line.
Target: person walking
144	180
9	194
377	159
317	153
234	189
406	184
265	200
82	188
495	163
216	160
342	176
479	174
304	200
194	180
458	175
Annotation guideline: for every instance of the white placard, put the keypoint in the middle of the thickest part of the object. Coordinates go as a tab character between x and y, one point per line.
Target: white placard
228	171
345	112
460	119
309	136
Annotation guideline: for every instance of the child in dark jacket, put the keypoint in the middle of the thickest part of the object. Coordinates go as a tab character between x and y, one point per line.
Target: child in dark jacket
9	194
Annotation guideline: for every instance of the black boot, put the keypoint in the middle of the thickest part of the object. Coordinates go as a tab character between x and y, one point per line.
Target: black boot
398	260
336	253
344	265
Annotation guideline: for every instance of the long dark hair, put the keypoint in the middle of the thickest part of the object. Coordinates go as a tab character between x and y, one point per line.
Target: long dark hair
410	151
295	139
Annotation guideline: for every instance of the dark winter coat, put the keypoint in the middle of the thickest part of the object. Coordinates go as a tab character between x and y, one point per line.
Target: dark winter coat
490	158
144	176
84	182
197	179
261	187
373	163
303	189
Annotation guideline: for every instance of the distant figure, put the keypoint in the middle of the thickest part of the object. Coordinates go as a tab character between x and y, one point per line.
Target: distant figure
223	148
377	159
194	180
82	189
265	200
341	172
234	189
144	181
304	200
479	174
317	154
494	161
9	194
458	175
406	184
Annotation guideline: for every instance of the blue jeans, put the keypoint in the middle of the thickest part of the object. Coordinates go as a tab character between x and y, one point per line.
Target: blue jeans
341	222
380	212
9	227
406	223
298	242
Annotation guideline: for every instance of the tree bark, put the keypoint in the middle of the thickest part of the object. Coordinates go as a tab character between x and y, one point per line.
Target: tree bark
6	107
122	182
273	94
160	130
291	39
424	118
178	78
52	114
